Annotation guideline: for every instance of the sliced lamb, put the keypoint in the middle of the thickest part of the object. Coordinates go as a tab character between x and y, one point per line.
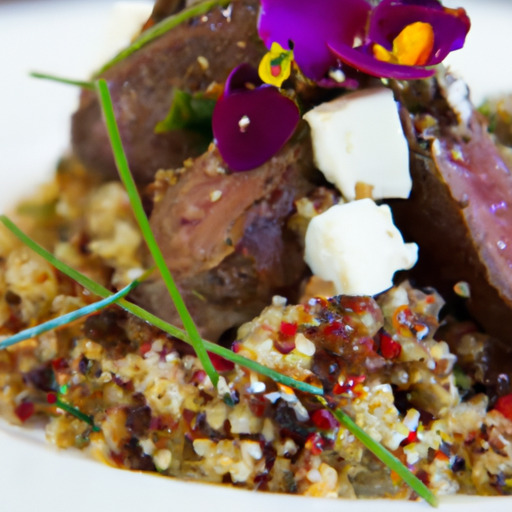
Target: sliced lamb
459	211
225	238
142	87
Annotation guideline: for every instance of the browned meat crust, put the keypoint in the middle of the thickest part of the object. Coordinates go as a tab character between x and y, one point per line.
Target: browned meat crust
225	239
142	85
459	213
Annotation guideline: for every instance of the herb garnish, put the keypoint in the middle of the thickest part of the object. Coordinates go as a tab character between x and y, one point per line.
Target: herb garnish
141	313
54	399
383	454
136	203
68	81
189	112
162	27
55	323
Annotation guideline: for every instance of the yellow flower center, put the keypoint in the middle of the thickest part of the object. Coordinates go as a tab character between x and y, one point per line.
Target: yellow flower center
412	47
275	66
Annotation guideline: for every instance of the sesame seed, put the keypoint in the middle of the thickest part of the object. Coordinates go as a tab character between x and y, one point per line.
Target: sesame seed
203	62
215	195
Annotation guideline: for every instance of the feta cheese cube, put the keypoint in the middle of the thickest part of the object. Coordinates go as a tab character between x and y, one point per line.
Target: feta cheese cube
359	138
357	247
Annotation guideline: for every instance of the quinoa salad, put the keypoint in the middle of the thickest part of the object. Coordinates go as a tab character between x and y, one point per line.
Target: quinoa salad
282	257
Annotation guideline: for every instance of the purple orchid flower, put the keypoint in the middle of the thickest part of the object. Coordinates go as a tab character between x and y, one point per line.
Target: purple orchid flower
326	33
308	25
251	121
388	20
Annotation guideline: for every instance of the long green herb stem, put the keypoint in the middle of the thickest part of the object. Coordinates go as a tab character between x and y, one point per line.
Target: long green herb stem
67	81
162	27
383	454
59	321
147	233
141	313
53	399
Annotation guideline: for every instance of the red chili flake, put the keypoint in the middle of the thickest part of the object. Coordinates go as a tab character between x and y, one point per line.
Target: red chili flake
285	346
504	405
411	438
430	299
165	351
423	476
441	456
403	319
145	348
349	384
117	458
221	364
324	420
333	328
24	411
358	305
258	405
389	348
198	376
59	364
188	415
288	329
154	423
315	443
51	398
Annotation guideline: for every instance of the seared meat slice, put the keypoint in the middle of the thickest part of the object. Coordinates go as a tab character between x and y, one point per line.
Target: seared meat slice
164	8
142	86
225	239
459	211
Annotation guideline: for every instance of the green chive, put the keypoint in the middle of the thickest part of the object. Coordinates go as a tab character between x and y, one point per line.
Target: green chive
140	215
162	27
141	313
54	399
383	455
68	81
55	323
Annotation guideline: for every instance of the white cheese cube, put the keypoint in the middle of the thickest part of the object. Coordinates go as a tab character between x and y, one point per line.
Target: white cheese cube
359	138
357	247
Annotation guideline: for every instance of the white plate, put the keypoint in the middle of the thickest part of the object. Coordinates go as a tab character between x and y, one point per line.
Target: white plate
64	38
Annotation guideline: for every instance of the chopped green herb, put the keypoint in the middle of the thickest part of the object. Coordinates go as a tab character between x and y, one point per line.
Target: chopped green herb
462	380
54	399
189	112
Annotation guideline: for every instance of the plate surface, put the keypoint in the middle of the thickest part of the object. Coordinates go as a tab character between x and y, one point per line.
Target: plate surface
67	38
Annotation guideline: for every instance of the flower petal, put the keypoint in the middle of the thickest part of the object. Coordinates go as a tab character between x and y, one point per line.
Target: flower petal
390	17
243	78
252	125
363	60
309	25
